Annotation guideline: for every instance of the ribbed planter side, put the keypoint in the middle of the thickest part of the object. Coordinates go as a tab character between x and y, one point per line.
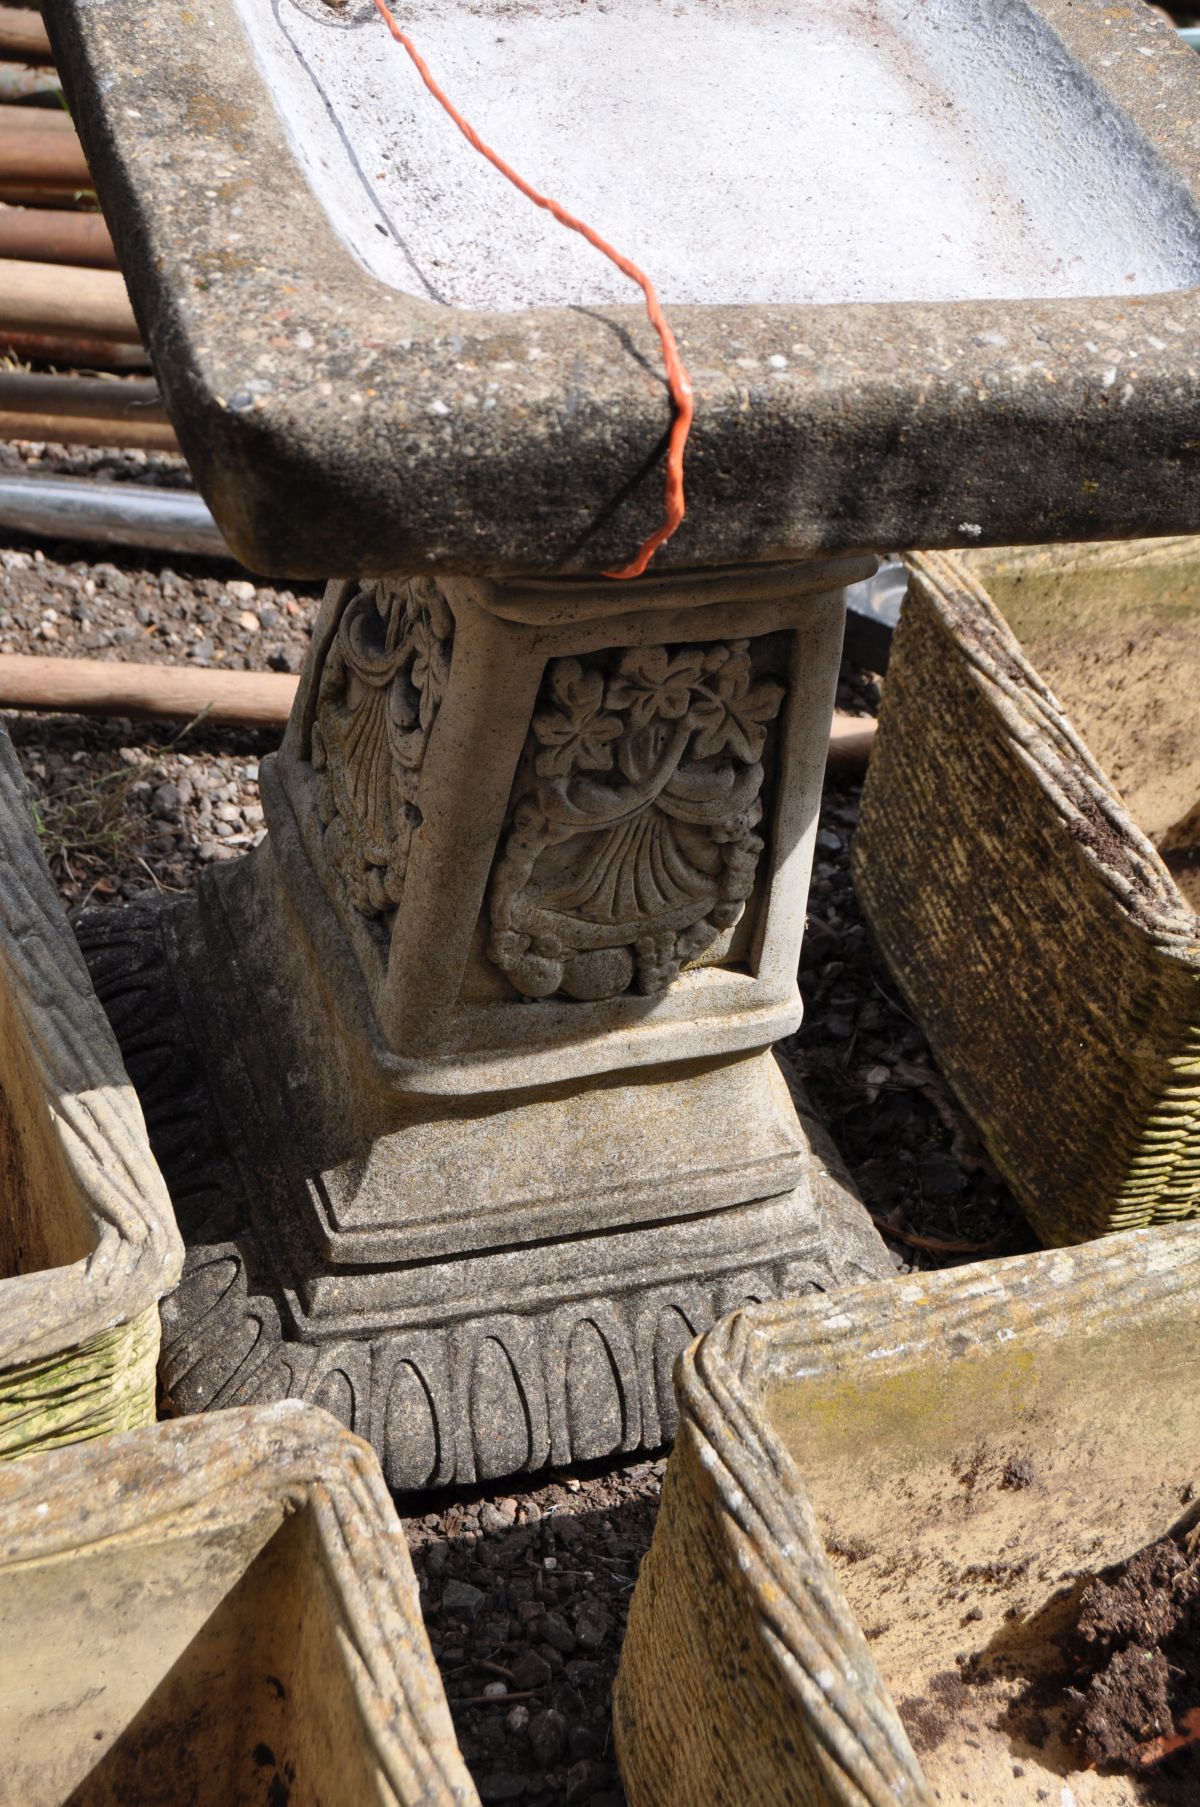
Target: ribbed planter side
88	1243
221	1609
744	1676
1035	932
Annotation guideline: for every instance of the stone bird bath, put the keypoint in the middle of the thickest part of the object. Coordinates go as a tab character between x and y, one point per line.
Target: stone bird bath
477	1042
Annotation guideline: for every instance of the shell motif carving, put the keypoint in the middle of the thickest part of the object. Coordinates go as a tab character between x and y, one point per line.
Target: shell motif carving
380	689
631	844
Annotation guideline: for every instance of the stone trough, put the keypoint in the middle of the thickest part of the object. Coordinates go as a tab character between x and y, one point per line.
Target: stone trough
492	1126
88	1243
878	1515
1027	858
211	1612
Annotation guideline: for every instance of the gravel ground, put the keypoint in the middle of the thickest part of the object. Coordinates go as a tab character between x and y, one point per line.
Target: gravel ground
525	1598
129	807
525	1594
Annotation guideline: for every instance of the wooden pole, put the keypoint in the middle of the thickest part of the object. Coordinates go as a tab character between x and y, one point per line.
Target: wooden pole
72	352
84	398
23	35
54	298
23	119
43	155
850	742
51	236
252	699
66	429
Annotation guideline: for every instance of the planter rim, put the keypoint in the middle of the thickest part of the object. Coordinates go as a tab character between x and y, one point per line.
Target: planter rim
137	1253
215	1472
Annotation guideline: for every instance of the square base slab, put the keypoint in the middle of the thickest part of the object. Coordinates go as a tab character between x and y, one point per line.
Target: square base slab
461	1365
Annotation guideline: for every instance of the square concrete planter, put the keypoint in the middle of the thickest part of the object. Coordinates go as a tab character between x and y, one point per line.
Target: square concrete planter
88	1243
216	1611
876	1505
1008	861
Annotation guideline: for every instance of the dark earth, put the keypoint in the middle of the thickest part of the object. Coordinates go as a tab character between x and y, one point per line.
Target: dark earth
1137	1650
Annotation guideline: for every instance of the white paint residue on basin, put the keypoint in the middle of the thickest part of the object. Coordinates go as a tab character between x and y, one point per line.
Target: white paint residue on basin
743	150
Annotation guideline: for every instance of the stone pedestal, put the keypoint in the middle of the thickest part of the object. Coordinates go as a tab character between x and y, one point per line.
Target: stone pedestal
469	1110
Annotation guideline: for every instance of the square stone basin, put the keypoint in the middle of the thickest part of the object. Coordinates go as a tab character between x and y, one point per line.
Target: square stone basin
933	268
216	1612
878	1519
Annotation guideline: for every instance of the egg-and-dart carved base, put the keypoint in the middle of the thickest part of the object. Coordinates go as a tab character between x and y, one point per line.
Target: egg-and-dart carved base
497	1363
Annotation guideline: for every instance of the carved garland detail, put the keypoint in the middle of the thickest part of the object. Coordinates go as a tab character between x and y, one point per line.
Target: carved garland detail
381	686
631	844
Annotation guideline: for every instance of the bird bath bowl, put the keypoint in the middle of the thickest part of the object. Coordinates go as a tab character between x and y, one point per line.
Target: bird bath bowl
895	241
485	1024
877	1519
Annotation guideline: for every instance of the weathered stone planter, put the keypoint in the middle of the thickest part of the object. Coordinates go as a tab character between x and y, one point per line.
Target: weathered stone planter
88	1243
485	1027
1052	957
213	1612
876	1508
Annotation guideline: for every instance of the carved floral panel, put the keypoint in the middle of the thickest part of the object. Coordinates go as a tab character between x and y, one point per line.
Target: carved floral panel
631	846
381	685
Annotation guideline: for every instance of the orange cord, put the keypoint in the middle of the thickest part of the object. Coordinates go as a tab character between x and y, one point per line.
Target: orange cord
678	380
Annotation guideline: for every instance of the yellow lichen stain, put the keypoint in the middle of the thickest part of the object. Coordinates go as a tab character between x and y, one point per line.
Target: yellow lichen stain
214	118
914	1407
222	261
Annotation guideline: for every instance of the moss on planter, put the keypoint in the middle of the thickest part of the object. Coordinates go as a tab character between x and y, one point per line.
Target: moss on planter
88	1243
103	1385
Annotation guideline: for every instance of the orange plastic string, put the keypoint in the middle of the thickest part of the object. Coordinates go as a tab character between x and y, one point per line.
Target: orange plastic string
678	380
1146	1755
